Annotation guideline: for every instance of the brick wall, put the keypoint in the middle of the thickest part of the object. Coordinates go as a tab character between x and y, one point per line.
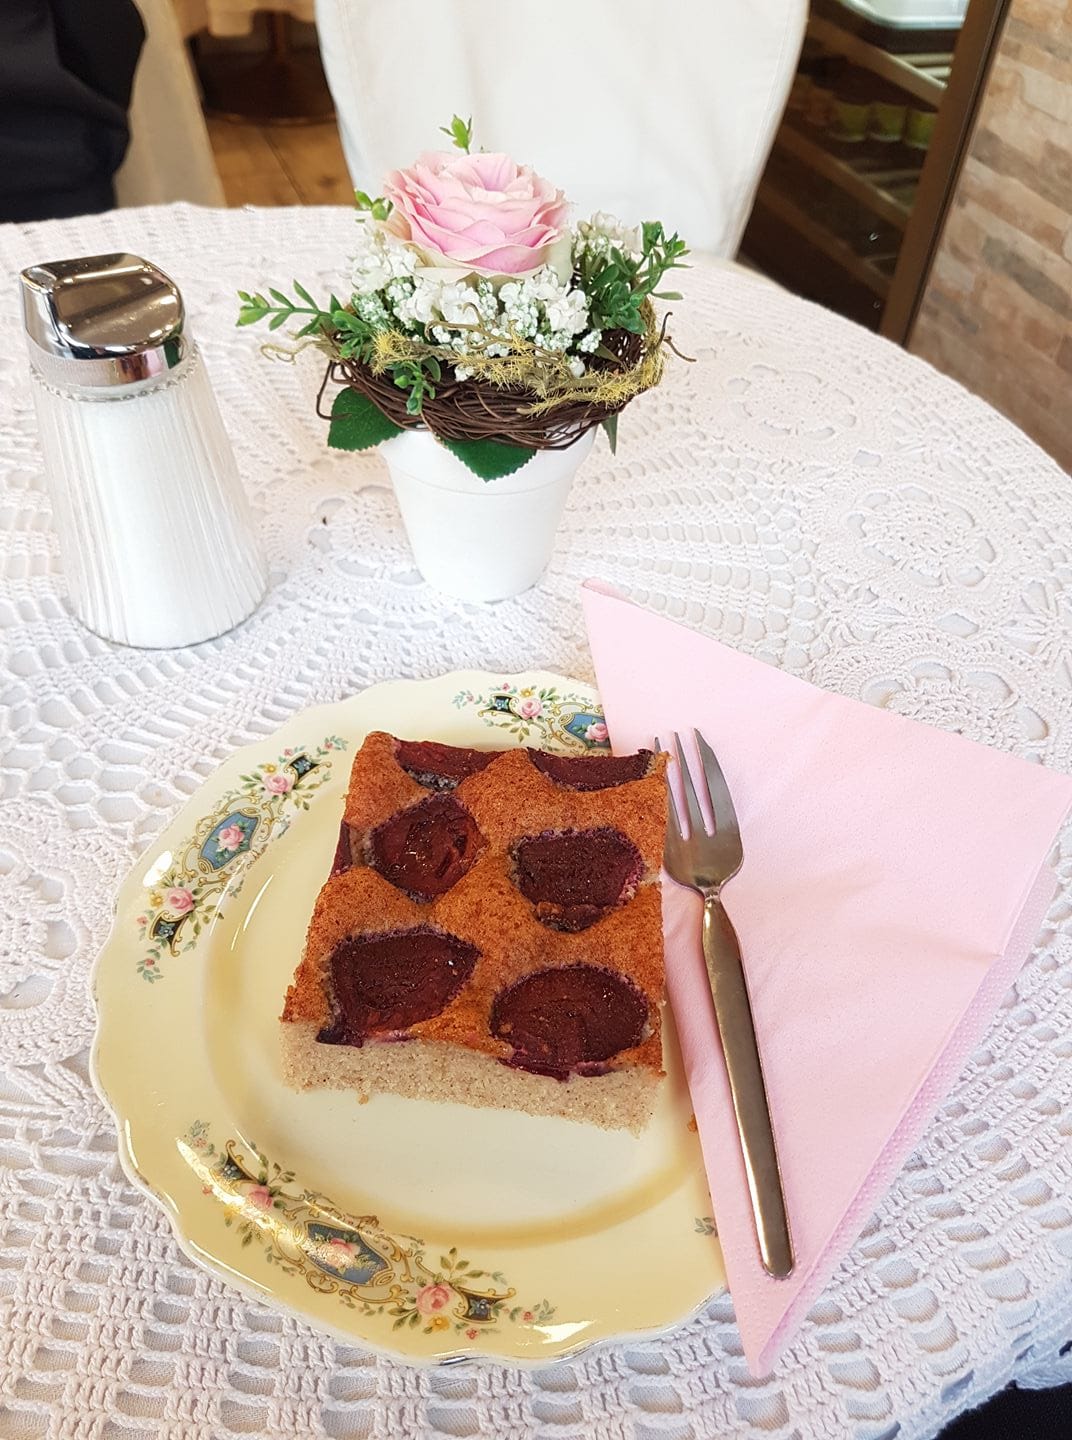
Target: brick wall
997	312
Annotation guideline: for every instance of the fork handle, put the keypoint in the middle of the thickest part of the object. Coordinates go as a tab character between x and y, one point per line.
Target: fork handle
733	1012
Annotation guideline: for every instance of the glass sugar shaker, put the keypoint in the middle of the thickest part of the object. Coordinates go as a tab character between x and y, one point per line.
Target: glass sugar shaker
155	533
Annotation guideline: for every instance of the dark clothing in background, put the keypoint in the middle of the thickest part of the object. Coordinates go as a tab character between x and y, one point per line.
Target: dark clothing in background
66	72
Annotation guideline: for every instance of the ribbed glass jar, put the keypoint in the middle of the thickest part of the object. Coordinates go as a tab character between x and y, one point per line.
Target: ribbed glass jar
155	535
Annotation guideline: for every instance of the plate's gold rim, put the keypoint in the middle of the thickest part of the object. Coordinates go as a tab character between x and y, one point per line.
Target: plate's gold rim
325	715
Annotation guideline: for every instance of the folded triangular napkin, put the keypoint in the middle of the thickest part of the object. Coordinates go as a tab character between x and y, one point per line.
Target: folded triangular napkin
894	882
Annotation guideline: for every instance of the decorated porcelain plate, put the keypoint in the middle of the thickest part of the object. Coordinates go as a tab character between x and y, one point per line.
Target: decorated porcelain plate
432	1231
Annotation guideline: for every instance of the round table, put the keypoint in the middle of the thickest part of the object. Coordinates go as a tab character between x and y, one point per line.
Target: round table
803	490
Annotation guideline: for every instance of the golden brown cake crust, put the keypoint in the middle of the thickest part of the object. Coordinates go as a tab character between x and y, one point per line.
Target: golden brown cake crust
510	798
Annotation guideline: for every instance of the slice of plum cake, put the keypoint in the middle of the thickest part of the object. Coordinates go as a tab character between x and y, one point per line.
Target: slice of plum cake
490	933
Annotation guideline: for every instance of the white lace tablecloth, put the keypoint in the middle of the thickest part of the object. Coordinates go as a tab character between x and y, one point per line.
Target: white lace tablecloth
806	492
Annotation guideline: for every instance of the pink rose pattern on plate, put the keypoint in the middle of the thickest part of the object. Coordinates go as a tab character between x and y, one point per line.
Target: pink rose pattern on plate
408	1283
433	1298
540	716
185	897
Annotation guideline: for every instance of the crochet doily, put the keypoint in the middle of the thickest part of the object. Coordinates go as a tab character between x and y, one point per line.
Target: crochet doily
810	494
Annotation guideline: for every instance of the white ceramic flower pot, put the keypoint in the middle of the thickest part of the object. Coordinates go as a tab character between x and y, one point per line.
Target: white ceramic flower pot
479	539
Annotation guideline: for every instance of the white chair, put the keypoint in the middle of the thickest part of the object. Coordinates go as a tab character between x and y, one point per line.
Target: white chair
169	156
649	111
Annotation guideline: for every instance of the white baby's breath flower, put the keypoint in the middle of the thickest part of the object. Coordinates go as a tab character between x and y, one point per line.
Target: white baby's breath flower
379	257
603	231
458	305
372	309
544	286
553	340
401	258
471	314
568	312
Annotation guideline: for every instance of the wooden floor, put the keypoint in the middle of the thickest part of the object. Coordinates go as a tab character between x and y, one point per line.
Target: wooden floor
280	164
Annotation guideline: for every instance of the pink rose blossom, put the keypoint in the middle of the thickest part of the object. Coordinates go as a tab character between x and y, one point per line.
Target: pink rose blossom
433	1298
230	838
483	214
340	1254
279	784
471	1333
260	1196
527	1318
529	709
179	901
597	733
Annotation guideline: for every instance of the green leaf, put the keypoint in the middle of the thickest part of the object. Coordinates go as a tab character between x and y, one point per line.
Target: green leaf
303	294
374	205
279	319
280	298
610	430
357	424
460	132
489	459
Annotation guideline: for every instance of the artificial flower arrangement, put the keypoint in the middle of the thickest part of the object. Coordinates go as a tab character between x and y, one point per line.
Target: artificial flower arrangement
478	312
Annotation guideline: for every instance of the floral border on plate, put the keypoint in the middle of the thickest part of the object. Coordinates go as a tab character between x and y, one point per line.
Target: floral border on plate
539	712
351	1257
188	889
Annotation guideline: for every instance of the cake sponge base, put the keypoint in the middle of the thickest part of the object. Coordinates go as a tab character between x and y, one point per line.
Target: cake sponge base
435	1070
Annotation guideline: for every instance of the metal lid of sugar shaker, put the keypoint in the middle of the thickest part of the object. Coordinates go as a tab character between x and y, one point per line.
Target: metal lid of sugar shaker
102	320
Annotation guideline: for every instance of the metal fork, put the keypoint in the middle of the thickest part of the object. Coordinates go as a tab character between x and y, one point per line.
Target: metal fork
705	862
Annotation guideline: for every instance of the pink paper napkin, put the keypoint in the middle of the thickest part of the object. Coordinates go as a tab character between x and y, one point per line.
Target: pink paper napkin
894	882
